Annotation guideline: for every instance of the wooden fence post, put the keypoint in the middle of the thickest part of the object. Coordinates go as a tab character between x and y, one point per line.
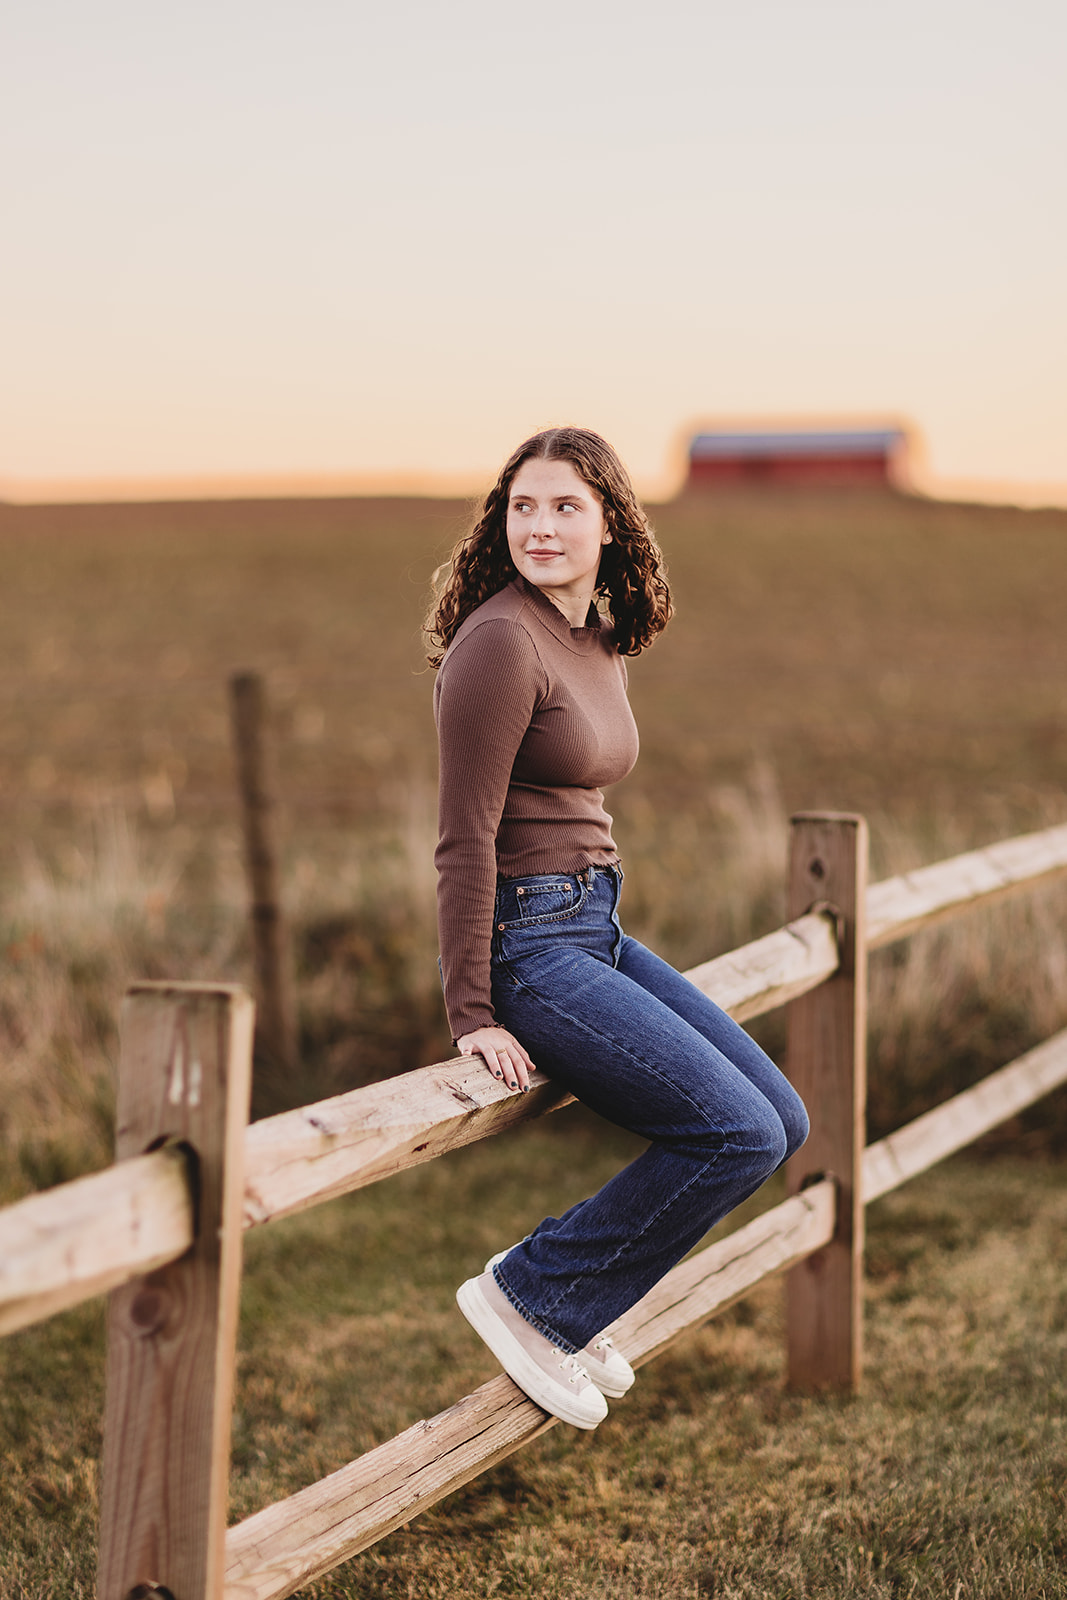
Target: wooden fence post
184	1074
275	988
827	1065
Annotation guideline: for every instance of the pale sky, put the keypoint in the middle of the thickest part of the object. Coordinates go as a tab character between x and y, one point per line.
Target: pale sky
345	243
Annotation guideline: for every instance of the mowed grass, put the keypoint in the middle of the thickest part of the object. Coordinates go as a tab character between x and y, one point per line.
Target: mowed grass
946	1476
860	652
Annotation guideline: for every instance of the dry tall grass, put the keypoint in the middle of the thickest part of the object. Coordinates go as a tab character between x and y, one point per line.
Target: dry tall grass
130	901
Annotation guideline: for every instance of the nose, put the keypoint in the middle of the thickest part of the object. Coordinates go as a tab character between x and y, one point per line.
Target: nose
542	523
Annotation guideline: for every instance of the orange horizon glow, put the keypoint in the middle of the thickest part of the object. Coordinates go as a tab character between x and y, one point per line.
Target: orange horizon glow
916	476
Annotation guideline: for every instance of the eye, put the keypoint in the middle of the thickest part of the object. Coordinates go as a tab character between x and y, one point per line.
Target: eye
520	505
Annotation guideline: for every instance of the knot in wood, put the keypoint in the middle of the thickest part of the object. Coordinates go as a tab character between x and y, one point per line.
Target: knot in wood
148	1313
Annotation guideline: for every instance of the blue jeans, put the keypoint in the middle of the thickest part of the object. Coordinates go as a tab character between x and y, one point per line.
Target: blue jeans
637	1042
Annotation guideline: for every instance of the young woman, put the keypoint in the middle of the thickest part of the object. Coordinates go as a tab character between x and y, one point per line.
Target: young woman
533	722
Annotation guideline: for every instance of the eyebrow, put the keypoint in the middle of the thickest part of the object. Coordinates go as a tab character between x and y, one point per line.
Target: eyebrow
571	494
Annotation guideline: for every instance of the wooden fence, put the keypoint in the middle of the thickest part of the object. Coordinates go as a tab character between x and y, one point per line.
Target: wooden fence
161	1230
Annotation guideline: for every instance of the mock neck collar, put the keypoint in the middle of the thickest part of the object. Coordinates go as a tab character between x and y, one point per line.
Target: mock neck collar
579	639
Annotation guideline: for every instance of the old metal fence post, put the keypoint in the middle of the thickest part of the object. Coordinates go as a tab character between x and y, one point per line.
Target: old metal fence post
184	1075
827	1065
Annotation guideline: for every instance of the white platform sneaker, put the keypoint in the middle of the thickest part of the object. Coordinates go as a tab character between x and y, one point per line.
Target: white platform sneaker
553	1379
611	1372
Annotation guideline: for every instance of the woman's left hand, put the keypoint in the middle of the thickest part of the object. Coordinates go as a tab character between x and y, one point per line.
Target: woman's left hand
502	1054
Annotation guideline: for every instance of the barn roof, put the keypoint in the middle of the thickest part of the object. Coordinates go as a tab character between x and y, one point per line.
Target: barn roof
837	442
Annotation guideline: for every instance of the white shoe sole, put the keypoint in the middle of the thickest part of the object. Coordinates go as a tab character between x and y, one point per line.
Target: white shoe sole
581	1411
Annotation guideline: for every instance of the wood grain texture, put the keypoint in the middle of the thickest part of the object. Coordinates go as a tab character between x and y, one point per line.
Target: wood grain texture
765	974
826	1063
290	1543
302	1157
958	1122
86	1237
899	906
184	1075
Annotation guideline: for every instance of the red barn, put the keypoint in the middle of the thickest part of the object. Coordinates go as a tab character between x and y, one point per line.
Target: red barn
839	458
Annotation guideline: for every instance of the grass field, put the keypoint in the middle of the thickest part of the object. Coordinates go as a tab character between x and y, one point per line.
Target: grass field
879	653
897	657
946	1477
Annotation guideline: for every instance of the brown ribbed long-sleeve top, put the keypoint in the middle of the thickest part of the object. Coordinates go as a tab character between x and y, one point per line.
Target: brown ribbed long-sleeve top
532	721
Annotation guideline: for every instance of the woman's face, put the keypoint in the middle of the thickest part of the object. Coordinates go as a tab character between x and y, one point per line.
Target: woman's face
556	531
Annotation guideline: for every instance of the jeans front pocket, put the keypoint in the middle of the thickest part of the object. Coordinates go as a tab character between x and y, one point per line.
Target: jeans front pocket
524	902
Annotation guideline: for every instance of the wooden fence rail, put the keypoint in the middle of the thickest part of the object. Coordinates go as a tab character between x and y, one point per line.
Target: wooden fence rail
161	1229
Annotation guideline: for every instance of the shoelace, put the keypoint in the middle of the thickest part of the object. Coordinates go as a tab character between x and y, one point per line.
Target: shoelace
604	1343
570	1364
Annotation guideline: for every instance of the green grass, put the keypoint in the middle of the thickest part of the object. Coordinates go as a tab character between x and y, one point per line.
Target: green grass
709	1479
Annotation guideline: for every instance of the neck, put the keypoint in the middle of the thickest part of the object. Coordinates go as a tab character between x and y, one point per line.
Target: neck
574	607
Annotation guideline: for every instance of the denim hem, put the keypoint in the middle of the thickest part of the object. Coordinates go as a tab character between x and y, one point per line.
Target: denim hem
652	1221
535	1322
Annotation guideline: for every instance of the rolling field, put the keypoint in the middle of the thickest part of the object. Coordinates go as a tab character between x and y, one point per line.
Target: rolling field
878	653
902	658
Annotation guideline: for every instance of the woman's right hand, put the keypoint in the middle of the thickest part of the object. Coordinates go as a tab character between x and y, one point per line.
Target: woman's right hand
502	1054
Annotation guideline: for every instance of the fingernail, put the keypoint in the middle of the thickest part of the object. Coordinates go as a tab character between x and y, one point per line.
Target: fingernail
512	1084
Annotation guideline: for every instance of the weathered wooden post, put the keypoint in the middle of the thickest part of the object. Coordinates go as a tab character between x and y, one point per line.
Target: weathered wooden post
827	1065
184	1075
275	988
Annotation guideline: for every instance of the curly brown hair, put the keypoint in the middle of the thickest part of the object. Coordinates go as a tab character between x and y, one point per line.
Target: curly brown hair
632	576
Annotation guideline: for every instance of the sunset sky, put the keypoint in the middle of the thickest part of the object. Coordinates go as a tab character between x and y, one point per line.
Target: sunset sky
336	244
